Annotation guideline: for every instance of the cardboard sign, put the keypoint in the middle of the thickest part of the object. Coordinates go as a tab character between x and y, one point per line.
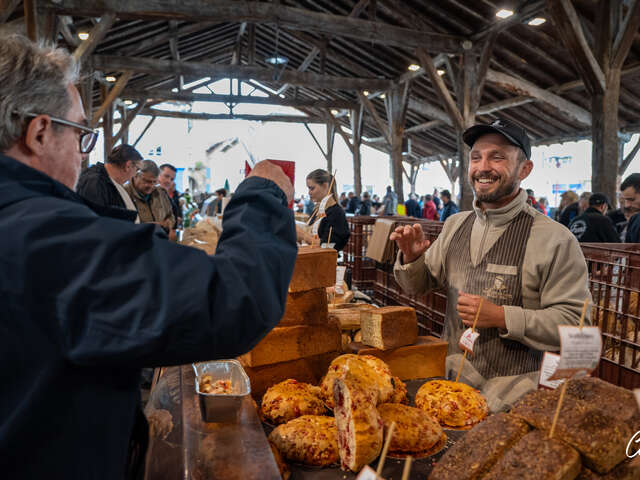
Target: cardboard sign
549	365
368	473
467	340
580	350
380	248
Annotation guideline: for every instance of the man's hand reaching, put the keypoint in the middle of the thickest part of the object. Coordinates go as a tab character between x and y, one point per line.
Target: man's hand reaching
410	241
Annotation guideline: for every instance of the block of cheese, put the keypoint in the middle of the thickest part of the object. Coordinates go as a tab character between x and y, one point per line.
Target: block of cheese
305	308
348	315
308	370
290	343
424	359
315	268
389	327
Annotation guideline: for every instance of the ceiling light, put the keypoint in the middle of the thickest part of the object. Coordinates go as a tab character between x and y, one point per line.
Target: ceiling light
383	96
110	78
277	60
441	72
83	35
334	112
504	13
537	21
365	93
414	68
174	90
128	102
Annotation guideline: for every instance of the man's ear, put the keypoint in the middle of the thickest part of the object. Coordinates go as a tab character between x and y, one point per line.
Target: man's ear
38	135
525	169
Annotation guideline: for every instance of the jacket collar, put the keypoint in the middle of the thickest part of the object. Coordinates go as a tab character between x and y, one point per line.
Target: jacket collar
503	215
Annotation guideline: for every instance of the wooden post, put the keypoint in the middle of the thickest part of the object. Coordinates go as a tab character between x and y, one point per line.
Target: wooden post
465	105
331	140
397	102
31	19
107	122
123	135
356	129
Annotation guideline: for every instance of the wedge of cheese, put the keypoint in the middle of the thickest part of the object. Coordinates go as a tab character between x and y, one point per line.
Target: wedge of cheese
389	327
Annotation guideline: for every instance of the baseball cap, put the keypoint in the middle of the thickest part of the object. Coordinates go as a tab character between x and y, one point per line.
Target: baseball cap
509	130
597	199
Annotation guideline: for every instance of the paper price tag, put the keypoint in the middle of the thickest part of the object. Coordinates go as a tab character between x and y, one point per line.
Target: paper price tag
549	365
580	350
368	473
467	340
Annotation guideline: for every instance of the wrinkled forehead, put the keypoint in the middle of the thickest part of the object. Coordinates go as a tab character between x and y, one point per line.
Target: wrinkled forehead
493	141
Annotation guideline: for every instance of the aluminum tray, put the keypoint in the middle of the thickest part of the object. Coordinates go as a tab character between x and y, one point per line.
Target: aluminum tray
222	407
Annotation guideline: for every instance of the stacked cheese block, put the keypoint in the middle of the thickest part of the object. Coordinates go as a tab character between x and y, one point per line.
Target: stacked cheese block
391	334
305	342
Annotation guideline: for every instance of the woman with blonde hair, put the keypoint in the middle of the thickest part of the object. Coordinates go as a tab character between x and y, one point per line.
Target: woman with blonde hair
568	208
328	215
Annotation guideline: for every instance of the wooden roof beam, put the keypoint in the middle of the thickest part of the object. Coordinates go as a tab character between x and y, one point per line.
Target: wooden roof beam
111	97
6	9
384	130
528	11
225	116
628	31
568	27
154	66
261	12
96	35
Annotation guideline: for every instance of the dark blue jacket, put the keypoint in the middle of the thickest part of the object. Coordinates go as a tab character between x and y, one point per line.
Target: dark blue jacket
87	301
449	209
633	229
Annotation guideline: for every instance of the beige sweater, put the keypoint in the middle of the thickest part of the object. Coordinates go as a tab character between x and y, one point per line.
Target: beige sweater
554	277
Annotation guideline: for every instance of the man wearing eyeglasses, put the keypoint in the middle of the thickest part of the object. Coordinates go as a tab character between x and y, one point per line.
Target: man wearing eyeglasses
89	300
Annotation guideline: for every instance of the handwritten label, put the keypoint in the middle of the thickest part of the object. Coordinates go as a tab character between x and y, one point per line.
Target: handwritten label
549	364
580	350
634	439
368	473
467	340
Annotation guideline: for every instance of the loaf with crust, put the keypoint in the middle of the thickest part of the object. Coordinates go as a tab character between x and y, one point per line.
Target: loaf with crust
453	404
310	439
415	432
479	449
291	399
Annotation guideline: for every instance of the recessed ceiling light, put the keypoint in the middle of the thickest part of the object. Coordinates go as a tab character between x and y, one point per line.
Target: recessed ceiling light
504	13
365	93
413	67
334	112
110	78
174	90
441	72
537	21
83	35
277	60
128	102
383	96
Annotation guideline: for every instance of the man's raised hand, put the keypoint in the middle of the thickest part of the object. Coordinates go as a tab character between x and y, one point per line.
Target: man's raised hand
410	241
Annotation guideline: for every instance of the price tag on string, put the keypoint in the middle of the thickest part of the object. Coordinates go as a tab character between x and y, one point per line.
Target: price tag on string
549	365
368	473
468	339
580	350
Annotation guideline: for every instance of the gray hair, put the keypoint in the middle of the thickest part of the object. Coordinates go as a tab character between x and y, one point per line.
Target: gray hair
149	166
33	79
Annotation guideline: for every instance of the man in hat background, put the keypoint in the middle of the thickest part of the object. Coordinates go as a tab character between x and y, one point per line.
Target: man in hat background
536	262
593	225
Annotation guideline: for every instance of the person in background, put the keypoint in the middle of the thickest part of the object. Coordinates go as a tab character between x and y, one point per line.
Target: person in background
449	207
531	199
88	300
390	202
365	205
152	202
167	181
102	183
619	221
413	209
593	225
376	204
429	210
543	204
436	201
308	205
344	201
583	202
214	206
354	203
630	189
569	207
515	270
328	217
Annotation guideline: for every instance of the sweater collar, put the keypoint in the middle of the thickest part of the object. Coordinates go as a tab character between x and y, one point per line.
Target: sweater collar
503	215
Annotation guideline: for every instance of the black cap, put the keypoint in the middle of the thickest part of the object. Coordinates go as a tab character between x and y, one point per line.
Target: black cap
597	199
512	132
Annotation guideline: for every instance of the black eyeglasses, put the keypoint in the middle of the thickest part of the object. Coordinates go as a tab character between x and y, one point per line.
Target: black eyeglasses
87	139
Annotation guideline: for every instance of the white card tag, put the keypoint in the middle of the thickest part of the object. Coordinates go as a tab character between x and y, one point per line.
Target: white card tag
340	271
467	340
580	350
549	364
368	473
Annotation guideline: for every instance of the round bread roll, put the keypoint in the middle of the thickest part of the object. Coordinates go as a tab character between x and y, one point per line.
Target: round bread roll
379	376
291	399
399	392
415	430
310	439
453	404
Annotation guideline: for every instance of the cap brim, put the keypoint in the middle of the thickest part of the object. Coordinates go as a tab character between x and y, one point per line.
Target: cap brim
473	133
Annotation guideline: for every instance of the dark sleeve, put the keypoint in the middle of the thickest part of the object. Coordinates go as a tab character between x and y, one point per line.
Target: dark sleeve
121	295
633	230
609	231
337	219
93	189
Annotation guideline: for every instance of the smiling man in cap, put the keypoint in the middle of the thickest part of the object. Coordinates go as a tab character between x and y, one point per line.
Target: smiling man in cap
528	269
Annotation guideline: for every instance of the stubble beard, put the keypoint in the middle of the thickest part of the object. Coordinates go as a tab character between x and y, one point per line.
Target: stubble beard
506	188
